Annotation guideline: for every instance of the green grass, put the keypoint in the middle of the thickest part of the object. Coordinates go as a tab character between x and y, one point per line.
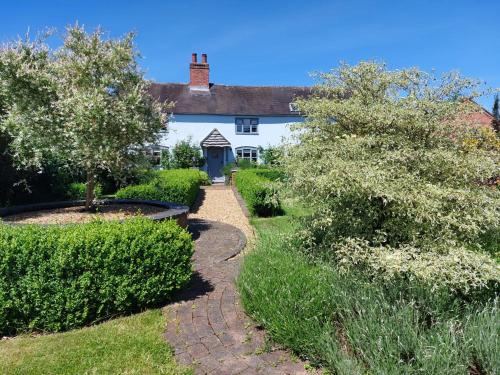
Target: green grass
351	325
129	345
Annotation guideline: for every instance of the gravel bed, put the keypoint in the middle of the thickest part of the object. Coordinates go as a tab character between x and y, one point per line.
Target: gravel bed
77	215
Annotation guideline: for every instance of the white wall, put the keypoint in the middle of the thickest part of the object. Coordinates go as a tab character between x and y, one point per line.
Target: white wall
271	129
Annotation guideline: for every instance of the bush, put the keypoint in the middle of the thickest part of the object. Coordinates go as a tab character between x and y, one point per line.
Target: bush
259	192
397	179
186	154
226	170
176	185
166	159
77	191
270	174
56	278
245	164
272	155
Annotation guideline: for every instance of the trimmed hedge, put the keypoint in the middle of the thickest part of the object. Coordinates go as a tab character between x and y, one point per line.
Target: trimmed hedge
77	190
55	278
176	185
258	191
270	174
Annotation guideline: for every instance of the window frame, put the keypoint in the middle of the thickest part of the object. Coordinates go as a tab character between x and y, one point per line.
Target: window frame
251	150
154	152
252	125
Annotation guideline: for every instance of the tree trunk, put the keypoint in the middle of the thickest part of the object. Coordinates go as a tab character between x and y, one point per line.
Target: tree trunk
89	193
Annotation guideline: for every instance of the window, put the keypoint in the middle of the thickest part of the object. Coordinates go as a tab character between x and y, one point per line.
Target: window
155	154
247	125
293	107
249	153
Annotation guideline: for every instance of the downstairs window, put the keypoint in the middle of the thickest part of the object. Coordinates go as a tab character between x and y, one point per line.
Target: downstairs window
247	152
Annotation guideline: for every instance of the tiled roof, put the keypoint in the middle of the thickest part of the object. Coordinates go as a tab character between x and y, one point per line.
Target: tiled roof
230	100
215	139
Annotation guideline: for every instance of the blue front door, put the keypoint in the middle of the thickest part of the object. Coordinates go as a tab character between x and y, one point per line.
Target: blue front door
215	161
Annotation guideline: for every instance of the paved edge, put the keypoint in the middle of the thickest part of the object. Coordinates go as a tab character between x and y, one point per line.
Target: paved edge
241	202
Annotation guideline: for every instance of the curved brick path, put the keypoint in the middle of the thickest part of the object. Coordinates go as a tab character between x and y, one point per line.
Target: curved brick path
207	326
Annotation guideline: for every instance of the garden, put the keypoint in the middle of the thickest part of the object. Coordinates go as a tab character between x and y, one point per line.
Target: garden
378	223
92	240
378	232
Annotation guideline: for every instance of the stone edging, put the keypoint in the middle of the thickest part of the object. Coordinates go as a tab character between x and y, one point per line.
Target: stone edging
241	202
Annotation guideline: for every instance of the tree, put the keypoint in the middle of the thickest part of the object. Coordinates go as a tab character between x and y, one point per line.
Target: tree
496	115
186	154
381	160
86	102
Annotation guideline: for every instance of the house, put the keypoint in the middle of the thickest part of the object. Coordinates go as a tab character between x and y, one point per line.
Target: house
231	122
228	122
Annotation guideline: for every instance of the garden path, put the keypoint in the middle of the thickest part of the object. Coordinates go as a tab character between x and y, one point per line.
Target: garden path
207	325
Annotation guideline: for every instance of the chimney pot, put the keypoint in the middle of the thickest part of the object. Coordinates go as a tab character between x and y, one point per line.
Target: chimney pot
199	73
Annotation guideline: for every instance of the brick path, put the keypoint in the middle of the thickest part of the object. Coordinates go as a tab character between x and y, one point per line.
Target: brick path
207	326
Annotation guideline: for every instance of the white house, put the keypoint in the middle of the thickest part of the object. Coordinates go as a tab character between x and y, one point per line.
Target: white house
228	122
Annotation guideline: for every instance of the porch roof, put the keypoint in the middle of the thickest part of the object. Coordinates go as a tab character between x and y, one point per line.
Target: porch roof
215	139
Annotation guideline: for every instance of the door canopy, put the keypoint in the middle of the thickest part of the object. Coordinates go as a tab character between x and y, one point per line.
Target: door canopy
215	139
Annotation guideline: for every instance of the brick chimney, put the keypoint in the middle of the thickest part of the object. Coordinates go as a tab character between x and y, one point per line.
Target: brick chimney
199	73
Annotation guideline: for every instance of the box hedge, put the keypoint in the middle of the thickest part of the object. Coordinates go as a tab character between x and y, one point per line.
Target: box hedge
55	278
176	185
259	191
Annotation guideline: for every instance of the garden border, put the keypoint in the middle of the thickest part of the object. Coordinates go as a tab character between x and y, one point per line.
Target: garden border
241	202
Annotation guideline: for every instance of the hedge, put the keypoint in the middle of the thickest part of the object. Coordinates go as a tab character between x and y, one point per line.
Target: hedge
176	185
270	174
258	191
55	278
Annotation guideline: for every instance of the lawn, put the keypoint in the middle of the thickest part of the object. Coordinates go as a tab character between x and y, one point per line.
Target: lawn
128	345
349	324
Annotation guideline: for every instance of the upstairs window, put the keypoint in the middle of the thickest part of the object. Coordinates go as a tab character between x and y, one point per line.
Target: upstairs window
247	152
293	107
247	125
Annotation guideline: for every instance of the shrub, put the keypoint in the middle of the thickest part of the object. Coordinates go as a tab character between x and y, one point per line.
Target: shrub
176	185
166	159
386	159
226	170
271	174
143	191
77	190
259	192
245	164
272	155
60	277
186	154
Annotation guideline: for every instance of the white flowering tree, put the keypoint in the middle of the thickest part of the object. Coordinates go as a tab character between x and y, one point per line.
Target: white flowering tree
86	102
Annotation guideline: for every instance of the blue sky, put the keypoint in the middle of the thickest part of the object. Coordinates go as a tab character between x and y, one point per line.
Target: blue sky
281	42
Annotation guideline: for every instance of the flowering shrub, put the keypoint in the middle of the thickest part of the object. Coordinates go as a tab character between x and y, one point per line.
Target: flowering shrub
381	158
